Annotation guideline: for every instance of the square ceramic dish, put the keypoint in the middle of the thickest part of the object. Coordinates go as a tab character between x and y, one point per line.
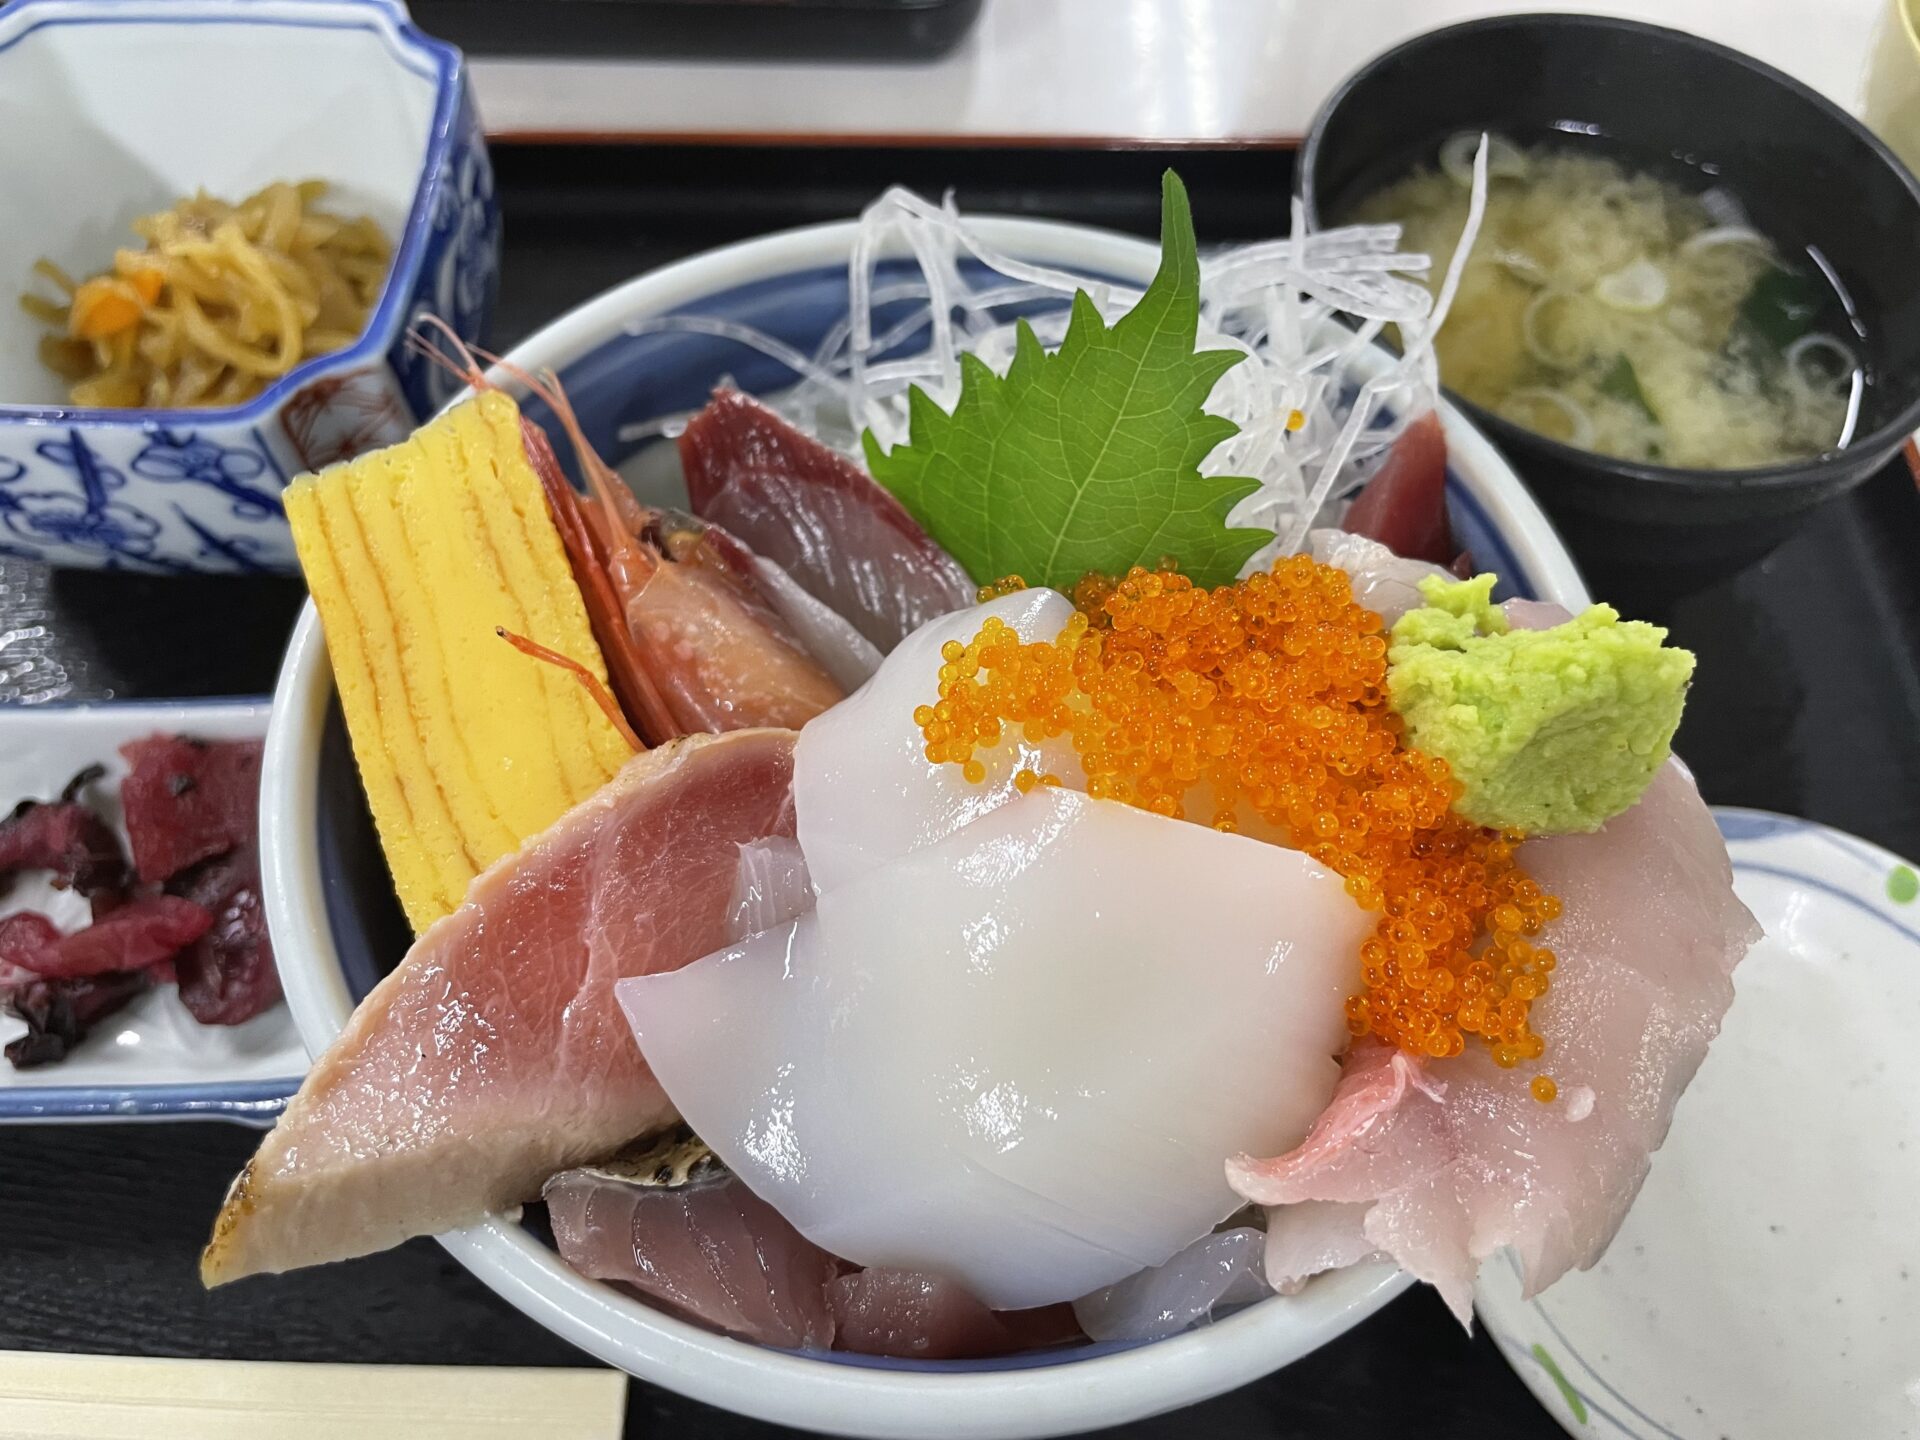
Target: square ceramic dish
115	108
152	1060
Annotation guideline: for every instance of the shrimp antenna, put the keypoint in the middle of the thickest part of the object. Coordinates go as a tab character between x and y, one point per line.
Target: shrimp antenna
605	483
601	695
607	486
461	364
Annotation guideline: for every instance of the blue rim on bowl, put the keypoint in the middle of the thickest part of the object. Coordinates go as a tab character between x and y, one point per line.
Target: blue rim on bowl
328	929
419	52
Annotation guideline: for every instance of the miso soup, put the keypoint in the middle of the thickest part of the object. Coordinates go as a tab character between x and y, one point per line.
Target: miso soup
1623	313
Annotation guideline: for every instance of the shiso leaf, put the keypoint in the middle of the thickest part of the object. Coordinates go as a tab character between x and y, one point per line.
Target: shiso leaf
1088	458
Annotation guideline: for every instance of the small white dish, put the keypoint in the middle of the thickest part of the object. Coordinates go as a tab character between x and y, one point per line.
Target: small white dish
1766	1284
152	1060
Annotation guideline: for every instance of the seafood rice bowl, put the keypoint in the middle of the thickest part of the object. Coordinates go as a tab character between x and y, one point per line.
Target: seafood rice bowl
1053	842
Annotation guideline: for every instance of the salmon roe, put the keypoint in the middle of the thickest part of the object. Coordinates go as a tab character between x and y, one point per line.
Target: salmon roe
1261	707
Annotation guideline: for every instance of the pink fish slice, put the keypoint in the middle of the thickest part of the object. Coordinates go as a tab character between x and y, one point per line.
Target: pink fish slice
495	1054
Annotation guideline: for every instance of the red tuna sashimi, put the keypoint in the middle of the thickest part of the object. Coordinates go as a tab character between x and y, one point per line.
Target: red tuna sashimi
495	1055
820	517
712	1250
188	800
1442	1164
1404	505
136	936
916	1316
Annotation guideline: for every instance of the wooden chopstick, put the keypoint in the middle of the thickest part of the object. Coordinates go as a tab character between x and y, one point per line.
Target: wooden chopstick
114	1397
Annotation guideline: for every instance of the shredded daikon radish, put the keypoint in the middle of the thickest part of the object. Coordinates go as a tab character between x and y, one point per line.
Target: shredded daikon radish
1306	311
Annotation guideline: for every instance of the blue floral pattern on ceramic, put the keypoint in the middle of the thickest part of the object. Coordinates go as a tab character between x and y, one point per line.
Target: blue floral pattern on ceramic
72	500
459	272
76	511
178	491
175	455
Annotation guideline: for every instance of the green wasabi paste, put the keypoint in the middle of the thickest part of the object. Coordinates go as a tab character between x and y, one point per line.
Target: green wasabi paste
1547	731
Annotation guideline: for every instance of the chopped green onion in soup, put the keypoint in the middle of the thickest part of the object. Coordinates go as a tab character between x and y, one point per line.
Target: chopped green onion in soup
1618	312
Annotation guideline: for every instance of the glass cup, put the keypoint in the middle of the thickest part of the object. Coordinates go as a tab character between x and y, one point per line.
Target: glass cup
1890	101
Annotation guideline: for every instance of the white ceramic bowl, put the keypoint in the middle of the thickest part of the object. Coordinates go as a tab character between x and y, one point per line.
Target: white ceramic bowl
110	109
333	933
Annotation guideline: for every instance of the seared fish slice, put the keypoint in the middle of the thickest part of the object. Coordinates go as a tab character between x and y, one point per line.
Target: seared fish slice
495	1054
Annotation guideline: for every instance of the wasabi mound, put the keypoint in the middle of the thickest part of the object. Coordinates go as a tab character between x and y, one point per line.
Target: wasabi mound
1549	732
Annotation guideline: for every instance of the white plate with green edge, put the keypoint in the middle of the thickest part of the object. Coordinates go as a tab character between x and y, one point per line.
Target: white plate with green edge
1766	1284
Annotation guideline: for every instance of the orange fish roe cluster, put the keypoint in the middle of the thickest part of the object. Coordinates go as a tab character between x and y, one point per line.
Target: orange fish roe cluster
1262	707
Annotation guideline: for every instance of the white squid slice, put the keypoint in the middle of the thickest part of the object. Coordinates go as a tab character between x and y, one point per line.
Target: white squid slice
864	790
1019	1055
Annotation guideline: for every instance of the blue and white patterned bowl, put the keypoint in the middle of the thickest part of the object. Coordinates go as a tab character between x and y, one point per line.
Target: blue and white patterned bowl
114	108
337	929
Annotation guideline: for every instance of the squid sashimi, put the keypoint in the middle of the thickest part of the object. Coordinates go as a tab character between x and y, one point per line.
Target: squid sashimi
1216	1272
821	518
864	789
1017	1056
1441	1166
495	1054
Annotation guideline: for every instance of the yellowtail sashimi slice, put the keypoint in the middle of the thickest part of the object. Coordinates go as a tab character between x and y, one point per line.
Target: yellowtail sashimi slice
1441	1165
495	1054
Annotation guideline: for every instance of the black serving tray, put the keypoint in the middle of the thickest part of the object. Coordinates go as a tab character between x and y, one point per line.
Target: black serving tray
1808	701
900	30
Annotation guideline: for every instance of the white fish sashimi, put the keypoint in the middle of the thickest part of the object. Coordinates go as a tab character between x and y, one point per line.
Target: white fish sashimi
1646	950
1019	1056
1215	1273
1312	1236
843	652
864	790
1382	581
